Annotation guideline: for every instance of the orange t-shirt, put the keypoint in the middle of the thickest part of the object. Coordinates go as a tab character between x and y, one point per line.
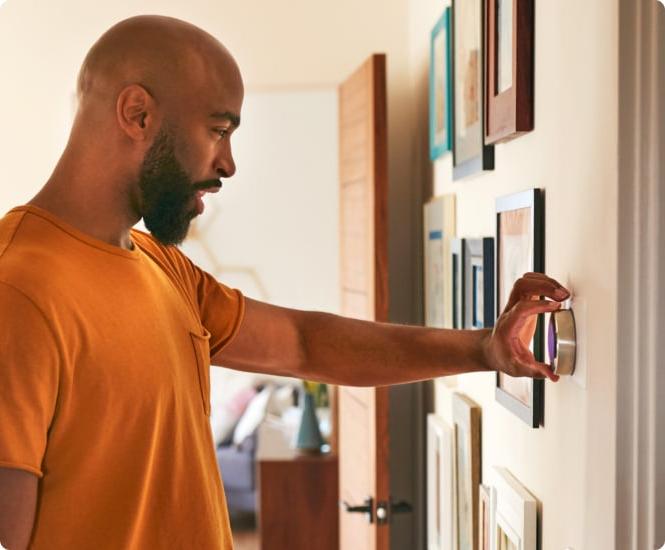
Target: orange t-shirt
104	386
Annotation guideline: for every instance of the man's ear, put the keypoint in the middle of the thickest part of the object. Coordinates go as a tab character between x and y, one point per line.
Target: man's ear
136	112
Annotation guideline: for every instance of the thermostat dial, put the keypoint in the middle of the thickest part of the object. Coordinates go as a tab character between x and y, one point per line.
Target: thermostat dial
562	342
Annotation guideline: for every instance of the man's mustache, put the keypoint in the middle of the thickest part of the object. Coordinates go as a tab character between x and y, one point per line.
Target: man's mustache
200	186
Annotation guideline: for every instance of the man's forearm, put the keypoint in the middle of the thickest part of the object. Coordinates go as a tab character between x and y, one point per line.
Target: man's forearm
329	348
349	352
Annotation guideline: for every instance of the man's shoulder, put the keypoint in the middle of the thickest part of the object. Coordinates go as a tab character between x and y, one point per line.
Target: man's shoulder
169	257
29	258
9	225
24	233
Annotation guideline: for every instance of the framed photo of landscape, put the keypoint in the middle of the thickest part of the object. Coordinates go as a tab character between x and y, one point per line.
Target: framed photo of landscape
441	88
466	416
520	227
470	153
479	283
509	79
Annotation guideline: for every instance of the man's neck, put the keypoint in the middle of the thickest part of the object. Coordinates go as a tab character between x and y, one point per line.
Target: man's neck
101	211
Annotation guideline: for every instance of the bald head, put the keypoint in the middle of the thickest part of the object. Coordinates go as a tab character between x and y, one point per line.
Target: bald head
170	58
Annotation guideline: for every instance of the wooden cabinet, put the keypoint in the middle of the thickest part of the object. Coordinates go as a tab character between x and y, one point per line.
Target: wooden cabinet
298	503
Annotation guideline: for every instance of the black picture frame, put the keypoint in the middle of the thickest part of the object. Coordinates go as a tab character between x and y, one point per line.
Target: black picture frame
479	283
526	212
457	266
471	155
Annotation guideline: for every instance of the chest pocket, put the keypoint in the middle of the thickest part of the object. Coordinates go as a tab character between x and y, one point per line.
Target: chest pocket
201	344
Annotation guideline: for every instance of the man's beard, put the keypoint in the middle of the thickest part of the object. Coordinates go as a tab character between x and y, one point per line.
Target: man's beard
167	192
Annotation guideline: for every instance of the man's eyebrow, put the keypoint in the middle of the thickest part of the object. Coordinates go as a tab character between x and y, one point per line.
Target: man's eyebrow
228	115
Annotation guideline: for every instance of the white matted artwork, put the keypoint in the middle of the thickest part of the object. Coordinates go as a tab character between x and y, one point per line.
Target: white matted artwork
516	260
439	229
441	505
520	249
504	11
515	514
466	416
486	517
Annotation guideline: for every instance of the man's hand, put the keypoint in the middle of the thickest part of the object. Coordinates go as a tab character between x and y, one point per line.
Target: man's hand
507	348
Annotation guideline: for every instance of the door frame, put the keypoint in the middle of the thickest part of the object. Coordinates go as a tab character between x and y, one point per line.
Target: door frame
640	452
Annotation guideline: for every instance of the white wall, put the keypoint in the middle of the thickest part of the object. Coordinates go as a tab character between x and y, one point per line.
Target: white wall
301	49
569	464
299	45
274	226
283	44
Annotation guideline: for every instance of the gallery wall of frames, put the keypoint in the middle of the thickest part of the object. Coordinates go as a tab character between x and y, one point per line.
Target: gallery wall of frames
481	93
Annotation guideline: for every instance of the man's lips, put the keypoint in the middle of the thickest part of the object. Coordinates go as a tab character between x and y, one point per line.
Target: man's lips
202	192
199	196
211	189
210	186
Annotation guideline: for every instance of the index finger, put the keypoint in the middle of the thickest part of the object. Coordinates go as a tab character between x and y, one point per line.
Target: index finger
536	284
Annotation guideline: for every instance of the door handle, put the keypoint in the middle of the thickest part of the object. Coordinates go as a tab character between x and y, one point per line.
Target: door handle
366	508
385	510
401	507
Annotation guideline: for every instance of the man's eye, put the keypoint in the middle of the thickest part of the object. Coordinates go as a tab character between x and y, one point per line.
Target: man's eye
222	132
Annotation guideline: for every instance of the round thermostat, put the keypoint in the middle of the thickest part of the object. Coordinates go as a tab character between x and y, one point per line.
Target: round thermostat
562	342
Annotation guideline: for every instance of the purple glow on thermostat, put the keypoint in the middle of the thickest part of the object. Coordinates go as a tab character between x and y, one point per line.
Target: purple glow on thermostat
552	340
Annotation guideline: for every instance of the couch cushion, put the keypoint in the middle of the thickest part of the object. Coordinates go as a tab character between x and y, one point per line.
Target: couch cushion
253	416
237	468
225	415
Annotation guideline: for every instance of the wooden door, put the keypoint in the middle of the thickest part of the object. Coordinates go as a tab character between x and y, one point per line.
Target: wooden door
363	412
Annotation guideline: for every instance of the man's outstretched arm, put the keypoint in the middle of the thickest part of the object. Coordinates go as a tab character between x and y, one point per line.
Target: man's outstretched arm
338	350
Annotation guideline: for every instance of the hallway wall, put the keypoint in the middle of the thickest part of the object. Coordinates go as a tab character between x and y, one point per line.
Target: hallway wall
284	48
294	45
572	154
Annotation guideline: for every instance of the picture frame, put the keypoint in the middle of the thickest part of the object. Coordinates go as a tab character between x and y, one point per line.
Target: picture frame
486	517
441	88
439	229
466	416
478	283
520	248
516	514
471	155
509	79
457	282
441	483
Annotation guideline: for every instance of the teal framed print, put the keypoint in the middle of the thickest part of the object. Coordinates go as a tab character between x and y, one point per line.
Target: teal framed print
441	88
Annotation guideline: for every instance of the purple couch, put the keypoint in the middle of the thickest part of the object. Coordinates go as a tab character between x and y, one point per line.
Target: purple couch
237	465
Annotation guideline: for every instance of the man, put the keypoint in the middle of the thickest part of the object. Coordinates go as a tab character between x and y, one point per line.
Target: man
107	333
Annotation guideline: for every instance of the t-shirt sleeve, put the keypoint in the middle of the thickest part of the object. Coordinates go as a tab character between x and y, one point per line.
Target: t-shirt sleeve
221	308
29	374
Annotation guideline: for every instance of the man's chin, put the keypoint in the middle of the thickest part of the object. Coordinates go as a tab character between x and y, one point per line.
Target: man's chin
170	235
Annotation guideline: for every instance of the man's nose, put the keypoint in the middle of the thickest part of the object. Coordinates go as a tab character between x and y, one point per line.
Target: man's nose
226	167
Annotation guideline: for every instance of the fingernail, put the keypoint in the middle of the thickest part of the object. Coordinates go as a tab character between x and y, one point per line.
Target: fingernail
562	293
